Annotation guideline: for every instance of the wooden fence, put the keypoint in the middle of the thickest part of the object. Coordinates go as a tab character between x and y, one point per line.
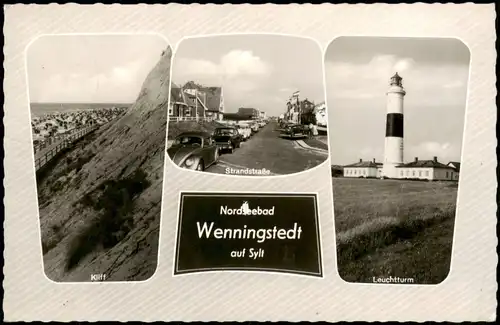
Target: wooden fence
59	143
191	118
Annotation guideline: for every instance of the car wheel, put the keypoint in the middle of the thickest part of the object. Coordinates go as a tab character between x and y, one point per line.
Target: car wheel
231	150
238	145
201	166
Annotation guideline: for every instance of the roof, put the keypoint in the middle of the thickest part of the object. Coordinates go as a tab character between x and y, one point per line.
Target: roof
192	85
246	109
176	94
194	134
424	164
396	76
237	116
365	164
213	95
191	100
225	127
456	164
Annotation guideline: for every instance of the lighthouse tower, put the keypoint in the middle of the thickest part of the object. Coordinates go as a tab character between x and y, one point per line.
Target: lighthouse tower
393	155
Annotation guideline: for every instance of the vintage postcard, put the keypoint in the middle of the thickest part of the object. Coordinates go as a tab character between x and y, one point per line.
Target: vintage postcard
250	163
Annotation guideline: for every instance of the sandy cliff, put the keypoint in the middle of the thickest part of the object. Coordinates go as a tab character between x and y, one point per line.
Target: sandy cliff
100	203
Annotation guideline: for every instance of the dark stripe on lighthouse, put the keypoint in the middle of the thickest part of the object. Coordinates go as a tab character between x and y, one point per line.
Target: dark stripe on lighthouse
394	125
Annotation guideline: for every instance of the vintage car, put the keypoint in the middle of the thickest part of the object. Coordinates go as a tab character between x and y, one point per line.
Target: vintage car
227	138
245	131
255	127
194	150
295	131
283	125
262	124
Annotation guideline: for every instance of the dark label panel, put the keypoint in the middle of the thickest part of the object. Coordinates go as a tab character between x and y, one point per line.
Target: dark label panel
248	232
394	125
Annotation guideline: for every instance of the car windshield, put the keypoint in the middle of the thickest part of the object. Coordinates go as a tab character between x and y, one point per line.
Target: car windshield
224	132
188	141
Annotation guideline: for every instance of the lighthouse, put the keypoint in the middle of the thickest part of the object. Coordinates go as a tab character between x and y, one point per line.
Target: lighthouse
393	151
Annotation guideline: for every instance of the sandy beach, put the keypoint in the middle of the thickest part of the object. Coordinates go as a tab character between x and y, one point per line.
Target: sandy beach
58	123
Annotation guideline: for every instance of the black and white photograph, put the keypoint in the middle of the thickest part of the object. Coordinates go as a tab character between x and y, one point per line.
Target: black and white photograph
247	105
98	107
396	116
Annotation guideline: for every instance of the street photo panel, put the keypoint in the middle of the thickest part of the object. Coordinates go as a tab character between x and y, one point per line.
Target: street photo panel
99	106
397	110
247	105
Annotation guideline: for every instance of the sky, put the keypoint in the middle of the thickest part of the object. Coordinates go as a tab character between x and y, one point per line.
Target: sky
90	68
259	71
435	74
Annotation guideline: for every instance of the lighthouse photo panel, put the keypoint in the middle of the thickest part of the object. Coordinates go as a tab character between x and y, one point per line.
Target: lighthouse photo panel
396	109
247	105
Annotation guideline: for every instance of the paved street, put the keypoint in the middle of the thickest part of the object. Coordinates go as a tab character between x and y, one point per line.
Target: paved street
267	150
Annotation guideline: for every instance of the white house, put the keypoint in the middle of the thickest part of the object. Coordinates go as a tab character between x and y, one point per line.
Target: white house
455	165
417	169
366	169
320	114
428	169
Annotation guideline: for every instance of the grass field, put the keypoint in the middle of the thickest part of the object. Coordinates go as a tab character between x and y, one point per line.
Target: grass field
394	228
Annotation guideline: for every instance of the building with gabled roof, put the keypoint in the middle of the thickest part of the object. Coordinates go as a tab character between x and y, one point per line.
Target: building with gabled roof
178	102
366	169
455	164
417	169
210	99
214	100
427	169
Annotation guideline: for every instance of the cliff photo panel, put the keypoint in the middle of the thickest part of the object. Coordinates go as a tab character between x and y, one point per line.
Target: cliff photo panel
397	110
98	118
247	105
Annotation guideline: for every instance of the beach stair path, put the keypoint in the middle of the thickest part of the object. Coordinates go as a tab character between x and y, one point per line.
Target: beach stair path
45	152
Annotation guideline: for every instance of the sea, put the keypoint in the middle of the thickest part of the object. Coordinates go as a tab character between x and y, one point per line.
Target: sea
41	109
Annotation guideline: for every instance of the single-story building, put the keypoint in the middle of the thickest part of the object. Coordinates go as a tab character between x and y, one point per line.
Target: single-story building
418	169
428	169
456	166
366	169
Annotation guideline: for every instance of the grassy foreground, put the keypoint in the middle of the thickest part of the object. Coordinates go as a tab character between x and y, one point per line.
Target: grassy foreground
394	228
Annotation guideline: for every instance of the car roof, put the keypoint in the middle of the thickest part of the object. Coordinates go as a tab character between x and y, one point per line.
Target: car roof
194	134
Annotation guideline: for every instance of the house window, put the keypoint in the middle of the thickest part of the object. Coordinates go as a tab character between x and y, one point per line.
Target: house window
446	174
427	173
419	174
413	173
170	111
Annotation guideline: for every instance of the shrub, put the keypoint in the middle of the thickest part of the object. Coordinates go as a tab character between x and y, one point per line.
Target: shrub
115	203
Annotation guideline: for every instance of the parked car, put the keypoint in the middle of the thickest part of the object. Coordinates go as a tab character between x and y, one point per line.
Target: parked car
245	131
283	125
262	124
194	150
254	127
295	131
227	138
